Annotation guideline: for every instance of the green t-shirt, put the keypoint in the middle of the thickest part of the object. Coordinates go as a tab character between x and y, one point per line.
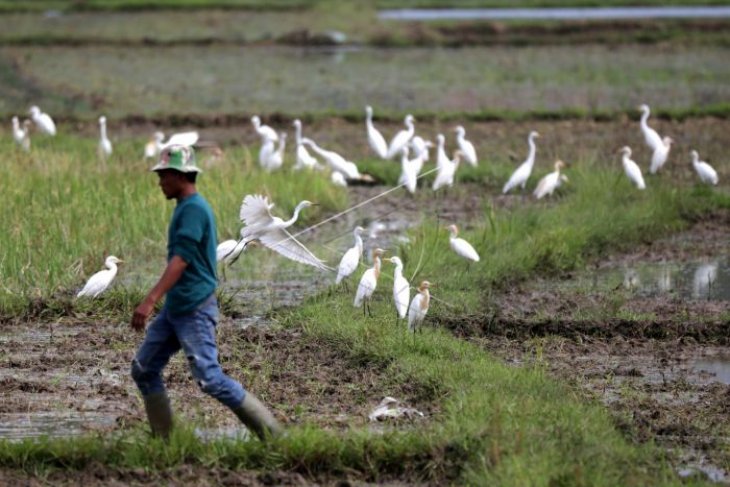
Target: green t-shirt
192	236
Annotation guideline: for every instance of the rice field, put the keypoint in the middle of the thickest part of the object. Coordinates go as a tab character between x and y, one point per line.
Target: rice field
501	403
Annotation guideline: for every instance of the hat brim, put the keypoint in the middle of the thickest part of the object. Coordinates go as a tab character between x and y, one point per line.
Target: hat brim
160	167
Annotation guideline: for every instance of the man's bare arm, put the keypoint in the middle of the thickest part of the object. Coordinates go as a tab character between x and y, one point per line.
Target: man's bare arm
172	274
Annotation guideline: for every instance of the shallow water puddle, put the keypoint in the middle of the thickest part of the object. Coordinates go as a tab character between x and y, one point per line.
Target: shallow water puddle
52	424
717	367
706	279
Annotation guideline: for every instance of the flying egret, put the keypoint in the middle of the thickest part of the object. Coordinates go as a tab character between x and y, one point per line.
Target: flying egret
351	259
660	154
98	283
401	138
550	181
447	171
157	143
401	288
271	231
631	168
375	138
520	176
304	159
420	147
264	131
651	137
461	246
706	172
43	121
368	283
419	306
105	145
466	147
272	159
335	161
21	134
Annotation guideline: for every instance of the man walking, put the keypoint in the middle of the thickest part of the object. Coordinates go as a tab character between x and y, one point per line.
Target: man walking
189	316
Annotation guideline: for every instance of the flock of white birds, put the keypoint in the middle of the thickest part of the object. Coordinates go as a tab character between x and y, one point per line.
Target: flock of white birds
262	227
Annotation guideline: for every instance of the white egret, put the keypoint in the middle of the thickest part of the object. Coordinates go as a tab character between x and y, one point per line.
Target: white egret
461	246
420	147
98	283
105	145
441	157
271	231
410	168
375	138
157	143
631	168
466	147
368	283
550	181
264	131
334	160
401	138
351	259
21	134
651	137
419	306
447	171
522	174
660	155
401	288
272	159
706	172
304	159
229	251
338	179
43	121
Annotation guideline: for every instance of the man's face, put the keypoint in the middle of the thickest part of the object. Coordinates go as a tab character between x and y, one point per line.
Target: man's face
170	182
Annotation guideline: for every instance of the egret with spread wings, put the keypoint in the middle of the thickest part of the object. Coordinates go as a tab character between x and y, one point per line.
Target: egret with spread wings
271	231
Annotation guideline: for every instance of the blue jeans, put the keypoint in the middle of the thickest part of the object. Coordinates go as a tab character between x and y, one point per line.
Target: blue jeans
195	334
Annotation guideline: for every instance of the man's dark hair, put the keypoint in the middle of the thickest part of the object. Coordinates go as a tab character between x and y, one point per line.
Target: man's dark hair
191	176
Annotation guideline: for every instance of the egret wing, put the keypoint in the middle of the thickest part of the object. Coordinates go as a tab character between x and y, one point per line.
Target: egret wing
281	241
183	138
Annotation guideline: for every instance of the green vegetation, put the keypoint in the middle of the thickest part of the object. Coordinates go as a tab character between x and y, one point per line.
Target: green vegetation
497	83
65	212
495	424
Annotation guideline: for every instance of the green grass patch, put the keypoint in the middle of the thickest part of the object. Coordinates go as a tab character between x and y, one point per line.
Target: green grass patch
65	212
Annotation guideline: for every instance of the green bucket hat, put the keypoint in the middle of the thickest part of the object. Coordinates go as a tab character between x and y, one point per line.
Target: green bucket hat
178	157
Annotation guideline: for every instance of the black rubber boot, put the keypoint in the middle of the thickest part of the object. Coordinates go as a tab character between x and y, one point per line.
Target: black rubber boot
159	414
258	418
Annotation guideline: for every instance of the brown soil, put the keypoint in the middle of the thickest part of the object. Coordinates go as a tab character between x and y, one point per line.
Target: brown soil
75	376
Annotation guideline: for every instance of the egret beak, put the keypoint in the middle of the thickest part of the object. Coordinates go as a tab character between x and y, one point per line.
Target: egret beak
387	259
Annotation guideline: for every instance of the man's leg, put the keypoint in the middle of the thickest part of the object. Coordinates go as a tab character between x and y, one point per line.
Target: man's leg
196	333
159	345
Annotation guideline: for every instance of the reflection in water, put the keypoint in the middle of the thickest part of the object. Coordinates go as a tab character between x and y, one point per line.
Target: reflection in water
697	280
704	278
631	279
719	367
664	279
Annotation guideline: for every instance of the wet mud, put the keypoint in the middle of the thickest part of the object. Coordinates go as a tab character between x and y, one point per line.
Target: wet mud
73	377
660	363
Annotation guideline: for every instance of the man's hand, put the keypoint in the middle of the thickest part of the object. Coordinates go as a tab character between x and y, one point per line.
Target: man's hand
141	314
172	274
